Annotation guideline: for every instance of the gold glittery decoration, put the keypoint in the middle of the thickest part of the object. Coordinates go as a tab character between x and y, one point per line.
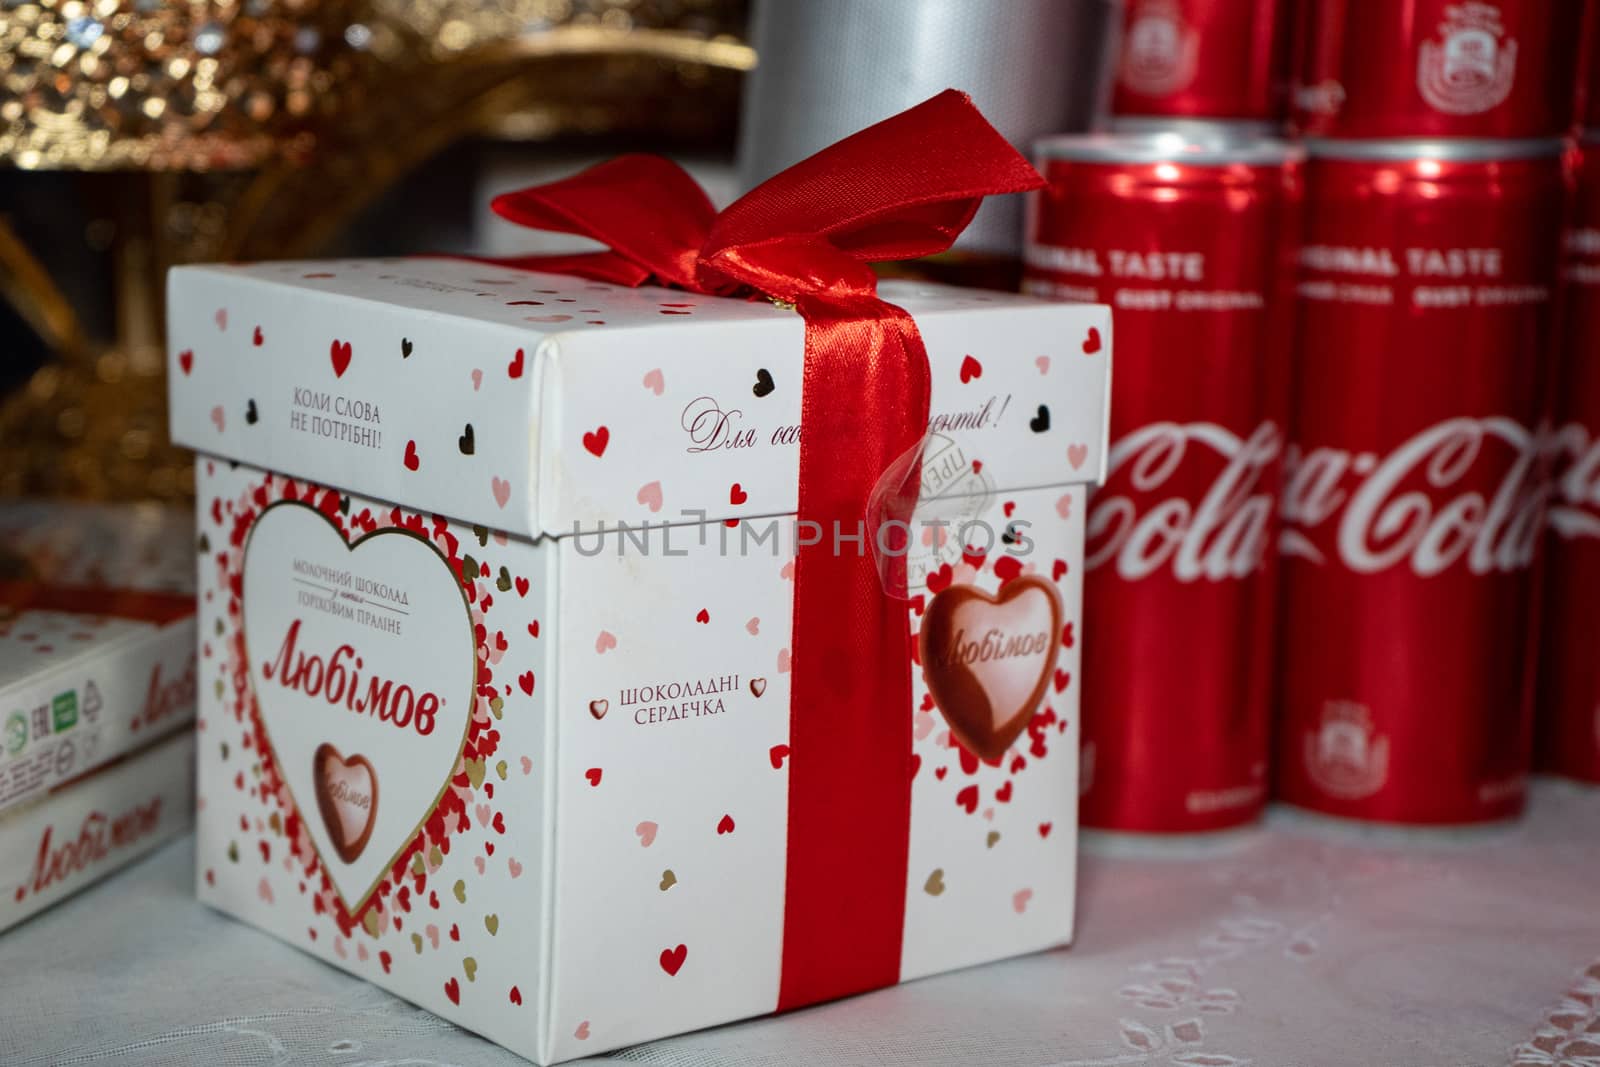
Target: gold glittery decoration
240	130
491	923
470	966
460	890
109	84
935	883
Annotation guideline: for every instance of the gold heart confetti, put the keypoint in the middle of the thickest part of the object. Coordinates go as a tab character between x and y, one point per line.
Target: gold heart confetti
233	851
503	583
470	965
225	750
935	883
668	880
370	922
492	924
276	822
475	772
495	704
416	943
417	868
221	629
460	890
205	543
219	689
435	857
500	769
994	836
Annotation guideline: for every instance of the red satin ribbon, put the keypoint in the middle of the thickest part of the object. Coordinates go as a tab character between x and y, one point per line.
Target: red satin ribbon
898	190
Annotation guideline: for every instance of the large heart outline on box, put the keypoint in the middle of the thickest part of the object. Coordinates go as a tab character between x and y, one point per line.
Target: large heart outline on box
293	560
987	659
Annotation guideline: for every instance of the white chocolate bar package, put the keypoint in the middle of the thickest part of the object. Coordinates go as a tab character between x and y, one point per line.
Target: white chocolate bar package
97	637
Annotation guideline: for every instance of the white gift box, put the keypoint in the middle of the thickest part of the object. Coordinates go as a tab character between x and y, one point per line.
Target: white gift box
97	638
496	630
83	830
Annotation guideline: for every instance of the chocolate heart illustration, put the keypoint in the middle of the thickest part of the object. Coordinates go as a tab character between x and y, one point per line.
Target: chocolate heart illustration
346	704
988	659
347	797
598	708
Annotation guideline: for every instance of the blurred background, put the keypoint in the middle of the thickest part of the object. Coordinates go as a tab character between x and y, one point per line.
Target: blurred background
137	134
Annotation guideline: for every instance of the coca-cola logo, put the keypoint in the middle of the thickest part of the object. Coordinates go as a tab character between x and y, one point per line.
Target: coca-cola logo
1142	522
1575	508
1463	491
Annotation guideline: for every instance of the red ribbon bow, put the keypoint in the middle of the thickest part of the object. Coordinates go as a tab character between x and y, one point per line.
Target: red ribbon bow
897	190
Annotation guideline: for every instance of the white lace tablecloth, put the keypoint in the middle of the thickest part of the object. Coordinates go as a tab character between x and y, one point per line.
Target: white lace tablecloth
1300	944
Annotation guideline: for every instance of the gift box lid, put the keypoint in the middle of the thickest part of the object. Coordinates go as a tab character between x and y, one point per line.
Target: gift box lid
546	404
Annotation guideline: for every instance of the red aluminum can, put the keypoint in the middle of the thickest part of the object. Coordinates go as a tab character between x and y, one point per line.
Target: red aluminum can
1588	107
1437	68
1219	59
1185	238
1569	676
1413	498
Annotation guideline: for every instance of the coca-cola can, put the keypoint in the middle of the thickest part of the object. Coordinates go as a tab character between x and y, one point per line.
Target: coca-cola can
1413	498
1198	59
1183	235
1569	676
1437	68
1588	106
